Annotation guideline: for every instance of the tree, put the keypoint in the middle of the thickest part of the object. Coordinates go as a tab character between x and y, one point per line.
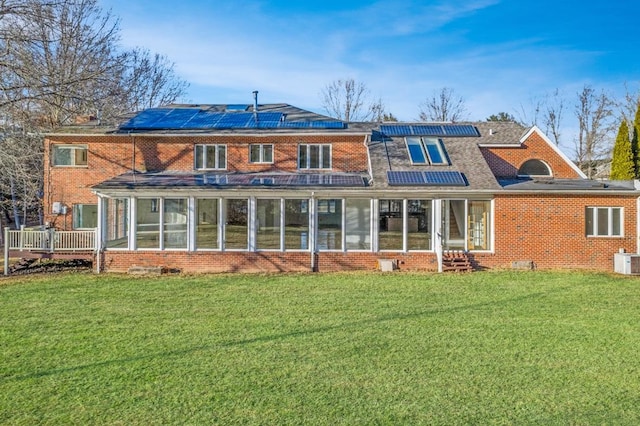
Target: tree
349	100
443	105
594	113
635	145
553	109
622	162
502	116
59	61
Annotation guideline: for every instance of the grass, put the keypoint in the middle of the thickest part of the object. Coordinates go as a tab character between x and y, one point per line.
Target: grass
370	348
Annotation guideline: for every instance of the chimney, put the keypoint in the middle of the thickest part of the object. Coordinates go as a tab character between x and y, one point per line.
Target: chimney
255	101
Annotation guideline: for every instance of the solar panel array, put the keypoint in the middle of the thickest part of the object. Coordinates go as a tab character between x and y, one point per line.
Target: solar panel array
196	119
312	179
440	130
426	178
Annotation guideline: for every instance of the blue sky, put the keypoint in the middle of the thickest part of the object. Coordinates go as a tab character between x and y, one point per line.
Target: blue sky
497	54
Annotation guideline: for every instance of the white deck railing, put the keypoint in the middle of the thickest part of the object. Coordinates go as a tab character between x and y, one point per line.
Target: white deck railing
50	240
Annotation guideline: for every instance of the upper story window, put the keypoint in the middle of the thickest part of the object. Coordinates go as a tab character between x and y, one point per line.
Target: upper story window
69	155
604	222
314	156
261	153
426	151
534	167
211	157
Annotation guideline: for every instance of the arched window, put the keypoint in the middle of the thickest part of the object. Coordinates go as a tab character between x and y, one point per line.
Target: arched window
534	167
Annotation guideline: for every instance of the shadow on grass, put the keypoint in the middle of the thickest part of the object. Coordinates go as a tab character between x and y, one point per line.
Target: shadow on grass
283	336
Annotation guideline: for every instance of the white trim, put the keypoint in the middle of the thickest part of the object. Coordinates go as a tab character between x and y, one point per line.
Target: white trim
555	147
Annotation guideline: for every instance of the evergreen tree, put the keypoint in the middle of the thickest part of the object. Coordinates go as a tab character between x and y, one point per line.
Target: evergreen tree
622	164
634	143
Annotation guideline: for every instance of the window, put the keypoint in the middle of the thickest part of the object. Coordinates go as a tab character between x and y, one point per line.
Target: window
175	223
236	229
211	157
69	155
312	156
390	235
604	222
147	223
207	224
330	224
419	225
117	223
426	151
268	226
534	168
358	224
296	224
261	153
85	216
466	225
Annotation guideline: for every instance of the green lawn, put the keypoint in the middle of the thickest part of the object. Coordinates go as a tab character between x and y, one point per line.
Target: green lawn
369	348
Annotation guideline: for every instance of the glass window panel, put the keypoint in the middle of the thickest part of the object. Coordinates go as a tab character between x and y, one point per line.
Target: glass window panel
314	156
85	216
254	153
435	151
419	232
330	224
268	226
326	156
603	221
210	157
391	224
415	151
236	224
222	157
267	153
62	156
199	156
207	224
358	224
296	224
589	221
147	223
175	223
302	156
80	157
616	220
117	222
479	225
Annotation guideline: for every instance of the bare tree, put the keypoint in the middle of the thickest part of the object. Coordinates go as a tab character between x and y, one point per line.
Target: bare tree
594	112
629	103
59	61
443	105
553	109
349	100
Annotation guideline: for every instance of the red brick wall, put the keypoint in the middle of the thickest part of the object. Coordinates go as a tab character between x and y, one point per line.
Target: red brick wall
110	156
505	162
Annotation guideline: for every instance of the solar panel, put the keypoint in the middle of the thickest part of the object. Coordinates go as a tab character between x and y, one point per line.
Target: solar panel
396	129
204	120
237	107
426	178
175	118
145	119
427	130
444	178
405	178
459	130
313	124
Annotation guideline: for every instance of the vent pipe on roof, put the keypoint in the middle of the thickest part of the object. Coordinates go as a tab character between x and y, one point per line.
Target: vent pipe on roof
255	101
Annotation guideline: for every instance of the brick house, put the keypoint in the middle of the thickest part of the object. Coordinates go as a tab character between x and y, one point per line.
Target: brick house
271	187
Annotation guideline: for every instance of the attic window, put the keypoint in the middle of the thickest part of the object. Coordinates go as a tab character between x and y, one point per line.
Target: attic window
534	167
426	150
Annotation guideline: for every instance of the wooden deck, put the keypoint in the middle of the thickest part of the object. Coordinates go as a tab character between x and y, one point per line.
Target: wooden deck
49	244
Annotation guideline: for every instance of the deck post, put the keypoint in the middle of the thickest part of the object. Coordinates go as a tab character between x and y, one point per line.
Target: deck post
6	250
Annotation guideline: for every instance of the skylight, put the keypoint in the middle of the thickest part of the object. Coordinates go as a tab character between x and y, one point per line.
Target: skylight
426	151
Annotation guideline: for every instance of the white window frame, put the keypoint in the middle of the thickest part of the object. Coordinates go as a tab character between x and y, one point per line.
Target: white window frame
77	208
73	148
204	148
593	210
321	159
261	153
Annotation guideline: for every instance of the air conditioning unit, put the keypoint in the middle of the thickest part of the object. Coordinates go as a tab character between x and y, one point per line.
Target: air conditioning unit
627	263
